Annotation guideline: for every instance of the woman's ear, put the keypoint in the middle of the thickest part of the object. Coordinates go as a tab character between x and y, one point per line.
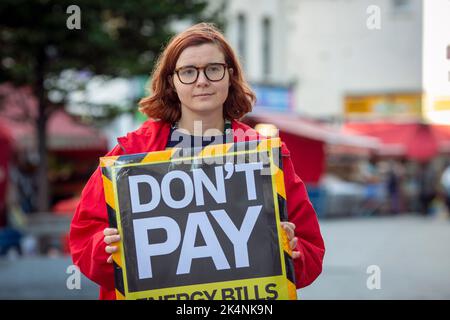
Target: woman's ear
231	72
172	85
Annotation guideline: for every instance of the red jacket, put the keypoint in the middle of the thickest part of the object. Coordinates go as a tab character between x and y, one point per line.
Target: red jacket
86	233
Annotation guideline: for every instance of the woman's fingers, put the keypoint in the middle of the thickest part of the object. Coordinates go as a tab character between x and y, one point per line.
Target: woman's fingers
287	224
290	225
110	231
111	235
289	228
111	249
293	243
111	239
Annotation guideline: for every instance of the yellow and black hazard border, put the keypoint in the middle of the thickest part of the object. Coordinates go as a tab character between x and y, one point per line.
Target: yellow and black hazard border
271	146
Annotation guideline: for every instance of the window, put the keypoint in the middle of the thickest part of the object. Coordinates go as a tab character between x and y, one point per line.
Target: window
242	36
400	6
266	47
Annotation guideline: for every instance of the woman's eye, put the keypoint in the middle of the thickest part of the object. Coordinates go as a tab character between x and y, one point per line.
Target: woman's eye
213	68
188	72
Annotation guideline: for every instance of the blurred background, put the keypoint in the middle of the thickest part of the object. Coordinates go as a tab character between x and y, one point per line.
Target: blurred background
358	89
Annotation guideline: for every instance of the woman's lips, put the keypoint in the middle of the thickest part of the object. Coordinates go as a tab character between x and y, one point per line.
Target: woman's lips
203	95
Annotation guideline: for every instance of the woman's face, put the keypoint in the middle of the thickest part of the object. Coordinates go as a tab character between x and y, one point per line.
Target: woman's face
203	96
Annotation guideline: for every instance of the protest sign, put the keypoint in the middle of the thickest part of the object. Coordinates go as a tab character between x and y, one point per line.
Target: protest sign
200	223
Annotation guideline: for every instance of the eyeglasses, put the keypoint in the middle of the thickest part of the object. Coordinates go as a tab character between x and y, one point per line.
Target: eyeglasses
213	72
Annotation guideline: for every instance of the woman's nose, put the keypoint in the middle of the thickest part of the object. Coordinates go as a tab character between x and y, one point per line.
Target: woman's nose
202	79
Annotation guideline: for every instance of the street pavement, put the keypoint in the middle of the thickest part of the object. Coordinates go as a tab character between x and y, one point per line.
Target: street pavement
42	278
411	253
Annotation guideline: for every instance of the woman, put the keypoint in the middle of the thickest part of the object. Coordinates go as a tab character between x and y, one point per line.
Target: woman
197	80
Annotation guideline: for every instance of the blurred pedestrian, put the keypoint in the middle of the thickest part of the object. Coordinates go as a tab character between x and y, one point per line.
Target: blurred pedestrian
393	183
370	177
197	78
445	183
411	188
23	183
428	182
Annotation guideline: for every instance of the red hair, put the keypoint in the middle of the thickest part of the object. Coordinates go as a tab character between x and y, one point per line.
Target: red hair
163	102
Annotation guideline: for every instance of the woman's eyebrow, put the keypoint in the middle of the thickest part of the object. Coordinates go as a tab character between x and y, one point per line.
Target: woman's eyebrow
186	65
198	66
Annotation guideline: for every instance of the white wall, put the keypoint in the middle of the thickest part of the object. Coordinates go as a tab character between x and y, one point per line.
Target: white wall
332	52
255	11
436	66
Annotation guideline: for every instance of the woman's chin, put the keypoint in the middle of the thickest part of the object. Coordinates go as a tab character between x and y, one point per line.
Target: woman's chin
200	109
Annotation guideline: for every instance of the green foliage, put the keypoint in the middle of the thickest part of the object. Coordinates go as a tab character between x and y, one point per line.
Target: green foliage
117	38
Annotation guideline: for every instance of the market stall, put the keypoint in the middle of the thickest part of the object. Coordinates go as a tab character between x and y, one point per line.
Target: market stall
412	140
315	149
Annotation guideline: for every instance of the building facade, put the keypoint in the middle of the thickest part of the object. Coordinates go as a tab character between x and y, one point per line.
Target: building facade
349	59
257	30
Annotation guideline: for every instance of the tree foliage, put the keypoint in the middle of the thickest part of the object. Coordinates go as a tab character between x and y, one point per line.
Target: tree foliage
115	38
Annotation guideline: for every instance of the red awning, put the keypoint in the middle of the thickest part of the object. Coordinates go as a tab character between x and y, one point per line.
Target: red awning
417	141
296	125
308	142
19	111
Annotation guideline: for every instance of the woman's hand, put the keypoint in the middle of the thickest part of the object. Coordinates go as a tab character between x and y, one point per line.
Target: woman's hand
111	236
289	227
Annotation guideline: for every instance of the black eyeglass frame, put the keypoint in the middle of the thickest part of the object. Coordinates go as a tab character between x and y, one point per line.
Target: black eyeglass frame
225	67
